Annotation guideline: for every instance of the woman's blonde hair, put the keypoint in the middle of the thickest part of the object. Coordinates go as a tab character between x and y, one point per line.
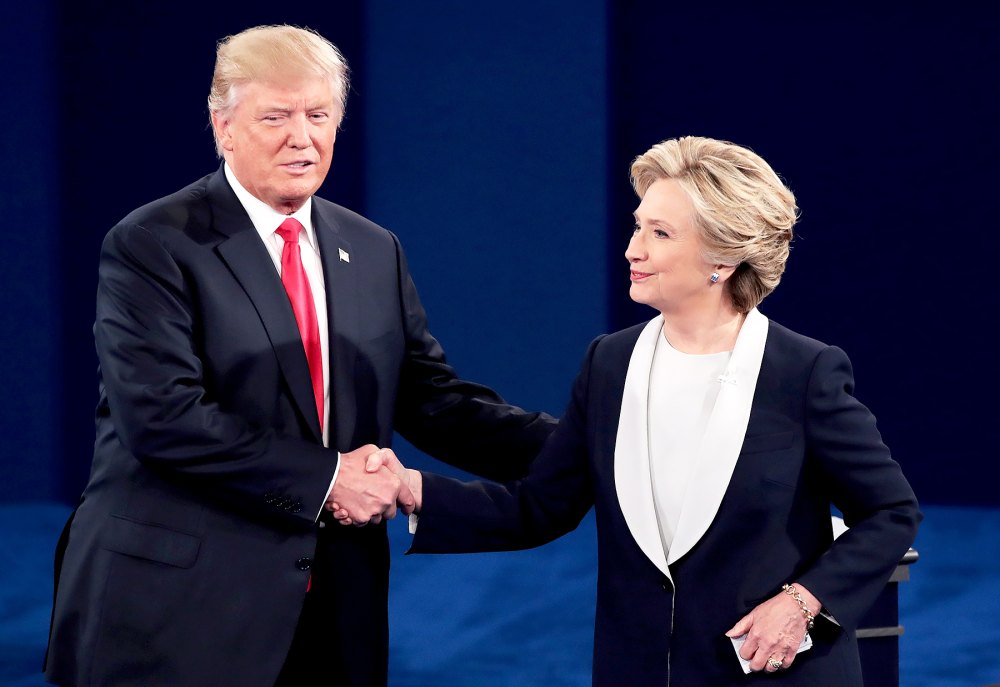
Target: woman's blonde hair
269	53
744	212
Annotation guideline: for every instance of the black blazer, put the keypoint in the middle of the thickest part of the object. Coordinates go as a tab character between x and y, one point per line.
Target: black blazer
187	560
809	443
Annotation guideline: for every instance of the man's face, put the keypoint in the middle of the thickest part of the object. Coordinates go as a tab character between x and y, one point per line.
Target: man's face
279	137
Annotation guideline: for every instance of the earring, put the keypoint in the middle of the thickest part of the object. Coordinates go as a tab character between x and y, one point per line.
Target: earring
714	278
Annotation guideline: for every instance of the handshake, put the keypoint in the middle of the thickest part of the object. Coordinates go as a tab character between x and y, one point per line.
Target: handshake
370	485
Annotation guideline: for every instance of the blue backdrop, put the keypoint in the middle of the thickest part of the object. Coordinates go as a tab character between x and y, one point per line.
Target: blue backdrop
495	140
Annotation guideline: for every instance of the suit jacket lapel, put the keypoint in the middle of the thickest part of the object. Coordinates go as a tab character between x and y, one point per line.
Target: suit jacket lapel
247	258
720	447
723	439
343	307
632	477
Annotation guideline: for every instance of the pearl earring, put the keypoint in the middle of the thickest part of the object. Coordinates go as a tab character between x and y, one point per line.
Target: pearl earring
714	278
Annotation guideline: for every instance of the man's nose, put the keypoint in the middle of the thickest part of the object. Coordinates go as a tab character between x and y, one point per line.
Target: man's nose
298	132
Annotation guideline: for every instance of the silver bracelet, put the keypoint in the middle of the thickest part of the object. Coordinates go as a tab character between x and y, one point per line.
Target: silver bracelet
794	593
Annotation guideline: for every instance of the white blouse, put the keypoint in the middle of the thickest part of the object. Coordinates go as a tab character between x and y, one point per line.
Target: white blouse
683	389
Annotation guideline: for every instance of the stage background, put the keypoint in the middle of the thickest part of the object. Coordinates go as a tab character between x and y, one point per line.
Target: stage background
495	140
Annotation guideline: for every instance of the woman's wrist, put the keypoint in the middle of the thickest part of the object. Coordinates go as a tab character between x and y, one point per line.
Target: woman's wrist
808	604
415	481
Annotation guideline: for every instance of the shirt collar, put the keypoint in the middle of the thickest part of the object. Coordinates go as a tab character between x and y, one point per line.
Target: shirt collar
266	219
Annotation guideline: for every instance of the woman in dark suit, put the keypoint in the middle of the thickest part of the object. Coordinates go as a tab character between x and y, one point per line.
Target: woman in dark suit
712	443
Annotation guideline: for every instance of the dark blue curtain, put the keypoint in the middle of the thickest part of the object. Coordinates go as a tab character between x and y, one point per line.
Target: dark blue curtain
496	142
883	121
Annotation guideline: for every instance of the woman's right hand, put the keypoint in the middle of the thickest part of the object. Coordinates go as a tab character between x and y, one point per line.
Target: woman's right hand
411	478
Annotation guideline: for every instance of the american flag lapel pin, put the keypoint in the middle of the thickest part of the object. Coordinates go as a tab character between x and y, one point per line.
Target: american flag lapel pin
344	255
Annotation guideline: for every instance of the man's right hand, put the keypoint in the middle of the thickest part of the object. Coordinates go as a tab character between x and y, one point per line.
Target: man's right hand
367	497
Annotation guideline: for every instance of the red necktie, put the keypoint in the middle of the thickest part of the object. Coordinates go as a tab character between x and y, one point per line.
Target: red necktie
293	276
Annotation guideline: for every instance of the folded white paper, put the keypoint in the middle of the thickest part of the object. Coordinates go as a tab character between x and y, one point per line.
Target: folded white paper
807	643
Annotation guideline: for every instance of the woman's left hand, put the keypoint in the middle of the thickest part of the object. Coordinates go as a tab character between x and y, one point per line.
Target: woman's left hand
774	631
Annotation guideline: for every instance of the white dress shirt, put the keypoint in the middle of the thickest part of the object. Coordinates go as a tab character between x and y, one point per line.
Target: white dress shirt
266	221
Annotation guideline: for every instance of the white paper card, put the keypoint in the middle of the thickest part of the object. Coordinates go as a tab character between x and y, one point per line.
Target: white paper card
807	643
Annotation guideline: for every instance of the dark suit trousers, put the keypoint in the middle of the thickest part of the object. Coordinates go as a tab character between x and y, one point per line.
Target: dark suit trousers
334	644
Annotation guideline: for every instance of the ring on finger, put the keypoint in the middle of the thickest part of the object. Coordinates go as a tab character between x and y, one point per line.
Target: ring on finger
775	662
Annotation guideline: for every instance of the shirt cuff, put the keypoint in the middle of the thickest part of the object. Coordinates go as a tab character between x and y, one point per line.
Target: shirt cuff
336	471
412	522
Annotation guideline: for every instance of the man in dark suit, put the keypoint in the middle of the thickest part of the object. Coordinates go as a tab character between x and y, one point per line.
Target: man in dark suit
256	345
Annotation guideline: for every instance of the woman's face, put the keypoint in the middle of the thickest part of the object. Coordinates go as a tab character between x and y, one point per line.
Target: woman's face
665	253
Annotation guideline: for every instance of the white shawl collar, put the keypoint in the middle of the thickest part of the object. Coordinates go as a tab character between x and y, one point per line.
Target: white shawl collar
716	459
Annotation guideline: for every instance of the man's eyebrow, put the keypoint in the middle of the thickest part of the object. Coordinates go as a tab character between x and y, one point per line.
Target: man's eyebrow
285	109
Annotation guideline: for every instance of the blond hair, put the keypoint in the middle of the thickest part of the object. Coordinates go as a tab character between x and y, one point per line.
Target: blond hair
267	53
744	212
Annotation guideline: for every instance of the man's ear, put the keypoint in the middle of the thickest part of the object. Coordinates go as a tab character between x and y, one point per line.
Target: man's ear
223	136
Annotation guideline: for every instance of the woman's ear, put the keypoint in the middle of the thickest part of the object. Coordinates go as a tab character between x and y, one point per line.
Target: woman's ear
722	273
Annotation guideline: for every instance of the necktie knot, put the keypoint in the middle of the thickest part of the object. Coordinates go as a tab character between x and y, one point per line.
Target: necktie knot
289	230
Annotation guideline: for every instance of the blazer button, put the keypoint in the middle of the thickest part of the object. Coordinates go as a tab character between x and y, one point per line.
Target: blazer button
303	563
